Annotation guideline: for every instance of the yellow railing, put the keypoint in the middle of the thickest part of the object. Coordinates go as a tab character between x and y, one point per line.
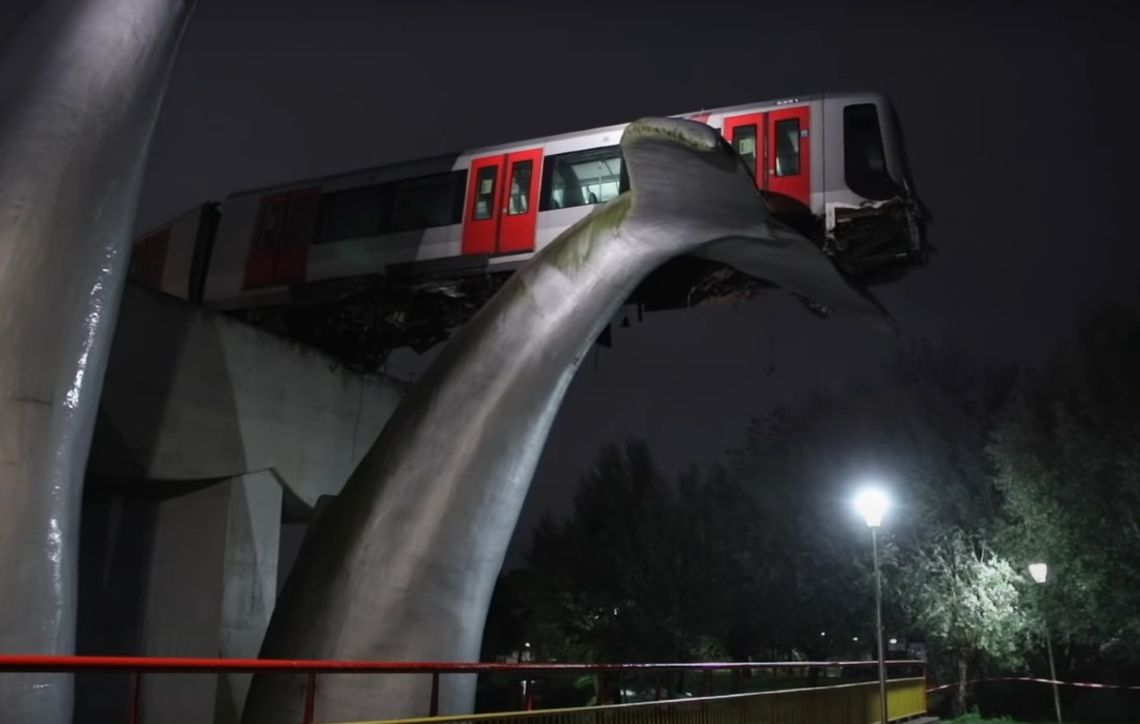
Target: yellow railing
840	704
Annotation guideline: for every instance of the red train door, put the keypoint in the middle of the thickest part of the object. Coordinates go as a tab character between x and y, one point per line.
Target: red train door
148	259
789	153
262	257
502	203
293	244
746	133
280	244
520	212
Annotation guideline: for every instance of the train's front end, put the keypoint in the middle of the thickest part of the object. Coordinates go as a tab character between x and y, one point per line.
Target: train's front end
874	224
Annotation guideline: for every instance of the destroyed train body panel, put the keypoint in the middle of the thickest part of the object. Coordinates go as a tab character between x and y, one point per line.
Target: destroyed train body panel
830	165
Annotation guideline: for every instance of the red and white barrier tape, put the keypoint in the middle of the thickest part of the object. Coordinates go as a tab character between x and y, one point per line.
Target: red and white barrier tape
1084	684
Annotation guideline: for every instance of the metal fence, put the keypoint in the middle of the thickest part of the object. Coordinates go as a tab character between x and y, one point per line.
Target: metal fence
844	692
836	704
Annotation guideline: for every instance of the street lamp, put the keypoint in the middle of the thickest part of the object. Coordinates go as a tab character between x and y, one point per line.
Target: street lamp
1040	572
872	503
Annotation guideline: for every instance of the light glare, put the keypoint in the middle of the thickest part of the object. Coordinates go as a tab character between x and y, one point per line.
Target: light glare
871	504
1039	571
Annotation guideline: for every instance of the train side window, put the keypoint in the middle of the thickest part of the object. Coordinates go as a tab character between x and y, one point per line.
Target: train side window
485	193
788	147
864	161
744	141
425	202
520	187
459	196
353	213
580	178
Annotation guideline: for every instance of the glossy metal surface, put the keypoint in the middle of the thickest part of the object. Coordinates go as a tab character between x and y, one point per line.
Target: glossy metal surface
402	565
80	83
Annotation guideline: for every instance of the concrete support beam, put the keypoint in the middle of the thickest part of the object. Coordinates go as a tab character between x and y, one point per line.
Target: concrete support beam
191	394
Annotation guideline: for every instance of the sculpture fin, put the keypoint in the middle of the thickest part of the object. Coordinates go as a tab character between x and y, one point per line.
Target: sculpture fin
797	266
678	190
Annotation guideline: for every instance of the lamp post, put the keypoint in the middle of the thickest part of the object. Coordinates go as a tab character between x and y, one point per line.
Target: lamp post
1040	572
871	504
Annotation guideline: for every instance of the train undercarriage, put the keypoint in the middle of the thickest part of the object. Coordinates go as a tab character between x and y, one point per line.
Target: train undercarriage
360	320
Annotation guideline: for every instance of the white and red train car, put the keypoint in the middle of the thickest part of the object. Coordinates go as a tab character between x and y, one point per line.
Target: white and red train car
831	164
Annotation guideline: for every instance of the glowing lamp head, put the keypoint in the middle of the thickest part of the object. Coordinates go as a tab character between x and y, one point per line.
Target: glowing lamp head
871	504
1039	571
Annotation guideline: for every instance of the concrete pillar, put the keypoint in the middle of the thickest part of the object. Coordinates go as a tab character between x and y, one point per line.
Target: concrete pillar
81	83
182	611
249	580
192	573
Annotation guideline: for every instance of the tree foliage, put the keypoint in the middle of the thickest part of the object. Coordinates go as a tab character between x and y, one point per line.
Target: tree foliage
621	575
1069	471
968	603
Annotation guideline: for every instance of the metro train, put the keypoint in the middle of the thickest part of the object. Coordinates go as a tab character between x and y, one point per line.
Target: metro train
831	165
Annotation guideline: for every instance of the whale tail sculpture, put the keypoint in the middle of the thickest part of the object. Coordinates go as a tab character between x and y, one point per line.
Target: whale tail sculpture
81	83
402	565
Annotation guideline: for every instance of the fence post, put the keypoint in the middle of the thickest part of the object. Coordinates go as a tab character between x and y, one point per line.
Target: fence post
742	702
134	695
433	705
925	686
310	697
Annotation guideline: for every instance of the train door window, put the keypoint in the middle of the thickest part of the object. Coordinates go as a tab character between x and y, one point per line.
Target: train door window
583	177
788	147
744	141
485	193
519	202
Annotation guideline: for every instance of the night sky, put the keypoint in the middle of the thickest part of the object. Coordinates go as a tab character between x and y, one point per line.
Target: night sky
1020	122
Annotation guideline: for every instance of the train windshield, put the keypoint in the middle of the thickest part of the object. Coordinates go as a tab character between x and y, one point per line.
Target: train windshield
864	160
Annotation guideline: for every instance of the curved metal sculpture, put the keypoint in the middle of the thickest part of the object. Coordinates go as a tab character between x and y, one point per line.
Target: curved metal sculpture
402	565
81	82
